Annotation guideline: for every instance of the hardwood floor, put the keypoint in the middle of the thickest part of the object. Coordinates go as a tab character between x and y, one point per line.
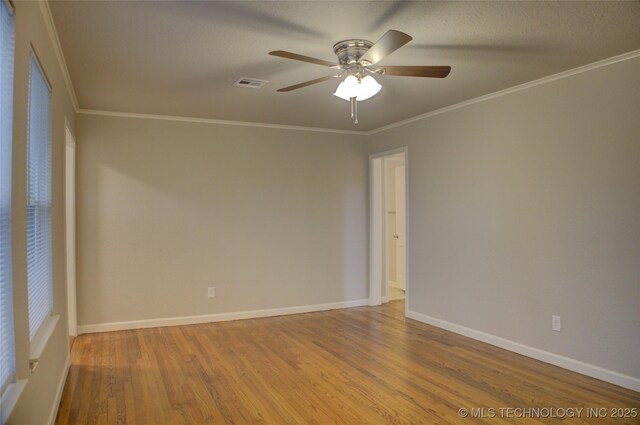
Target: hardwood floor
366	365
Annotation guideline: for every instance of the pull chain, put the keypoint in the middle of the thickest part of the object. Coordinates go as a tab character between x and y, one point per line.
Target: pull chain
354	110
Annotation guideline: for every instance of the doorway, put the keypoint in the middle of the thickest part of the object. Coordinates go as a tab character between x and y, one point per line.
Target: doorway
388	220
394	176
70	225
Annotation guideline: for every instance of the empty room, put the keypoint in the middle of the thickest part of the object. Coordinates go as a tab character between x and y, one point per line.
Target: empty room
319	212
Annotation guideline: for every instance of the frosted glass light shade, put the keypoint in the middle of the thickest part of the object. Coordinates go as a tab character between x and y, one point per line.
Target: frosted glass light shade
348	88
361	90
369	87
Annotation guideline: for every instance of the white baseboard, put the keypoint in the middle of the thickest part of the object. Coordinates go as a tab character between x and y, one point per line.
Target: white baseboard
385	299
217	317
63	380
555	359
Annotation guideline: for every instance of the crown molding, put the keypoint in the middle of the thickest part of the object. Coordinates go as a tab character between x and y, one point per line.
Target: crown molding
514	89
579	70
55	41
214	121
53	34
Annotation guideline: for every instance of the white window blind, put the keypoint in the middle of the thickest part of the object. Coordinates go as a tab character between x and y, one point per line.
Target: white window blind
7	346
39	274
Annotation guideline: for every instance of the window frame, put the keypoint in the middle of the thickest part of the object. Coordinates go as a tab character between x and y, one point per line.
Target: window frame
6	157
40	336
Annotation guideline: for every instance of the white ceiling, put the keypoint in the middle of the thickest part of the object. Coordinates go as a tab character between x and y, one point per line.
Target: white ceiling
181	58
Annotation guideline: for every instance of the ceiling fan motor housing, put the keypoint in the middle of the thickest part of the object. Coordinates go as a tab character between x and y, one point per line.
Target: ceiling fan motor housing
349	51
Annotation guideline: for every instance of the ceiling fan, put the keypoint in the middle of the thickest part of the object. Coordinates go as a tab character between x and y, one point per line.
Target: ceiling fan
357	61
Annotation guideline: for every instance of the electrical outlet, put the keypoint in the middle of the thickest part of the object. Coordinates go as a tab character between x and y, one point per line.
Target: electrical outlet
211	293
556	324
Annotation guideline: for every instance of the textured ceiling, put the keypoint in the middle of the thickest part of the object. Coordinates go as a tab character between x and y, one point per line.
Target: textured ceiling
181	58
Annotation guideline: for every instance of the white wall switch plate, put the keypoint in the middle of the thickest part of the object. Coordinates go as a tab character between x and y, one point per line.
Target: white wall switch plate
211	292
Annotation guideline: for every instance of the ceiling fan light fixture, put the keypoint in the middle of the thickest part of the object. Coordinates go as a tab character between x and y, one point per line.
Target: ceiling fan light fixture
361	89
348	88
369	87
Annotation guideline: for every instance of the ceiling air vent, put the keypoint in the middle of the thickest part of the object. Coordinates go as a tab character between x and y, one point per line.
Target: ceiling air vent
251	83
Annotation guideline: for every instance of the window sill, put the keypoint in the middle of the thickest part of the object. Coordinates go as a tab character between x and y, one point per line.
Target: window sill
40	341
14	391
10	398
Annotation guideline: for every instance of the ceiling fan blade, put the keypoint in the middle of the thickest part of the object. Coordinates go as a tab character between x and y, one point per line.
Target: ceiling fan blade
391	41
417	71
297	57
306	83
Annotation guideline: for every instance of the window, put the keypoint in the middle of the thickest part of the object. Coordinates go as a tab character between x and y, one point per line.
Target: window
7	348
39	273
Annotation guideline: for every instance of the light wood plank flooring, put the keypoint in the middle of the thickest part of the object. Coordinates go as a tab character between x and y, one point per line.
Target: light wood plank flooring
366	365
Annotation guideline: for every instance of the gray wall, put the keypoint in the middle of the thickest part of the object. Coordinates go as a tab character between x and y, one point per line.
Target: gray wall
272	218
39	397
521	207
528	205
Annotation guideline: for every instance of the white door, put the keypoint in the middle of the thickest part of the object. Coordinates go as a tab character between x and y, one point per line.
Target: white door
70	216
401	228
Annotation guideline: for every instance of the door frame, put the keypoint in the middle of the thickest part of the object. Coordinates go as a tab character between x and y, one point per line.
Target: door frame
378	244
70	228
